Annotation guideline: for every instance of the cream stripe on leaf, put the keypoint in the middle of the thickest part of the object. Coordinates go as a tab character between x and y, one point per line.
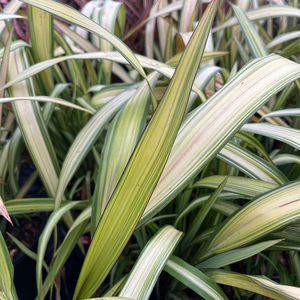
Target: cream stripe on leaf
262	13
210	126
287	135
263	215
122	136
71	15
194	279
144	168
253	40
145	272
32	124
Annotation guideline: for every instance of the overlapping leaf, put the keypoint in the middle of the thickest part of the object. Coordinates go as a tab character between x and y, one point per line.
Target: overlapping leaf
144	168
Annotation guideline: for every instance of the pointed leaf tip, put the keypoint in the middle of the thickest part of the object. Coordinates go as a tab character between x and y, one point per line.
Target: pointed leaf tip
4	212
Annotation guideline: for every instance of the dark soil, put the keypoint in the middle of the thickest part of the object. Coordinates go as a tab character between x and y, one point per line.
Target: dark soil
26	233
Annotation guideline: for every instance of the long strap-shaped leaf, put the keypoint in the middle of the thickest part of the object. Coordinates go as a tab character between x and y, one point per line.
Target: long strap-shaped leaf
122	136
267	213
151	262
287	135
87	137
232	256
4	16
200	201
10	8
284	112
284	159
113	56
254	42
44	239
251	164
24	206
194	279
7	288
32	125
44	99
199	218
41	37
210	126
241	185
72	15
111	13
280	39
262	13
144	168
258	284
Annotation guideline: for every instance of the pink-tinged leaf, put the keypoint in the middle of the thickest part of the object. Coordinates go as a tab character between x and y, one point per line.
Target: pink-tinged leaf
4	212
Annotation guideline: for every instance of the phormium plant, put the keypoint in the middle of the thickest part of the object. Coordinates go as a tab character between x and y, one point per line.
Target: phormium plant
170	160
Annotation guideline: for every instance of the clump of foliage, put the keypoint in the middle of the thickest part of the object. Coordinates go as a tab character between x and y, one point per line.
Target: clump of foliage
171	158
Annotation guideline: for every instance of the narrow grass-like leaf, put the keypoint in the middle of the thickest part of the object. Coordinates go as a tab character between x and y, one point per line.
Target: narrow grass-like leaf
109	14
172	7
240	185
295	112
206	56
144	168
244	55
145	272
258	284
41	38
62	254
14	150
287	135
106	93
71	15
43	242
262	13
203	77
266	213
233	256
114	56
4	67
200	201
149	32
11	8
48	108
280	39
250	140
254	42
45	99
194	279
251	165
7	288
27	251
199	218
29	115
73	36
14	45
28	205
186	16
4	16
284	159
4	167
162	27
